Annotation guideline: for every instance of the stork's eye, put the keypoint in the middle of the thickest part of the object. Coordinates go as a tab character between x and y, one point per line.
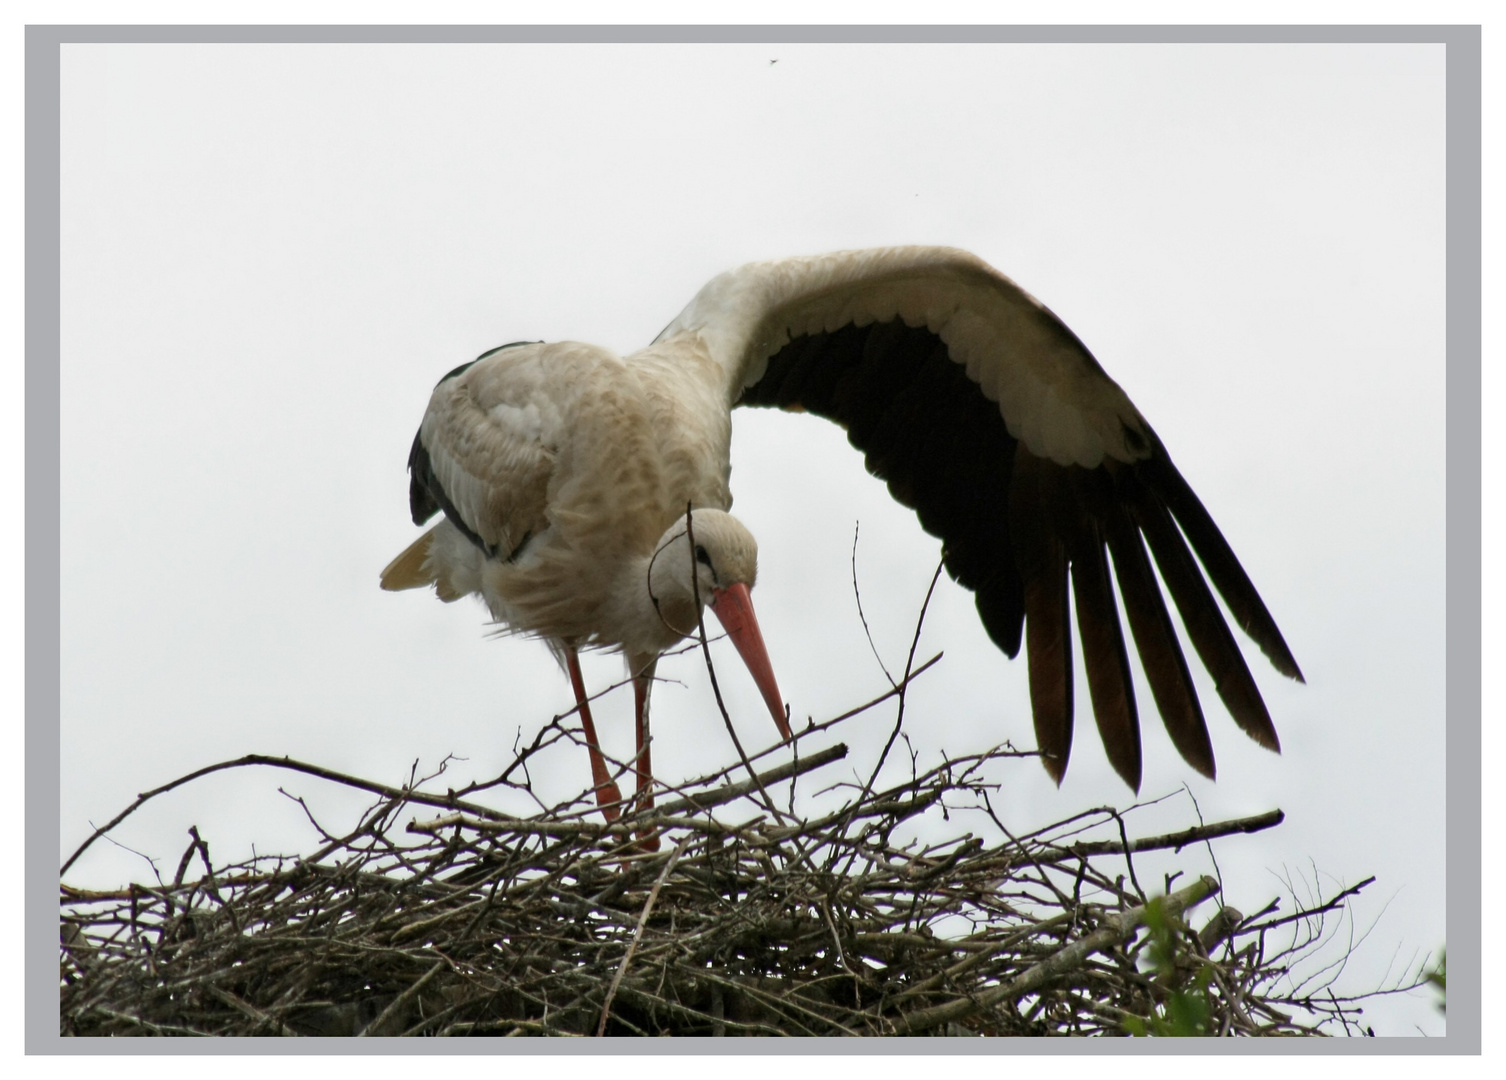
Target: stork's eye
701	556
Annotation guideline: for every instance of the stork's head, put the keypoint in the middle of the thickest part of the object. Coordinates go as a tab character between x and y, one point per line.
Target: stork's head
706	551
710	557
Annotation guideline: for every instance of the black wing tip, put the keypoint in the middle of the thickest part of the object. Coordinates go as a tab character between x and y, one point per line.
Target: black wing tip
1006	631
1269	740
426	497
1168	504
460	370
1248	708
1056	768
1222	566
419	509
1272	645
422	505
1283	661
1130	775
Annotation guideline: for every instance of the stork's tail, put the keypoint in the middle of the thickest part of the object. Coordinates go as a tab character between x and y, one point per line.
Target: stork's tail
414	569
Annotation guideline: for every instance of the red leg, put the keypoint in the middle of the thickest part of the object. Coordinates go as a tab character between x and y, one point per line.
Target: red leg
607	791
642	682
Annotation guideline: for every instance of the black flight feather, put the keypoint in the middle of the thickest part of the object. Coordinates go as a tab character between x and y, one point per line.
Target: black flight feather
1016	527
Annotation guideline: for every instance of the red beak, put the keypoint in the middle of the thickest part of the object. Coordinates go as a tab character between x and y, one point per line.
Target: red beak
733	607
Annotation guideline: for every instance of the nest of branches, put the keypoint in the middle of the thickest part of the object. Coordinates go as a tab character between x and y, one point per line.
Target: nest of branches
718	912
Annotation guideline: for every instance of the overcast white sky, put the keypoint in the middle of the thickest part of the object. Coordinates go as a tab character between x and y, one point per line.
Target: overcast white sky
271	253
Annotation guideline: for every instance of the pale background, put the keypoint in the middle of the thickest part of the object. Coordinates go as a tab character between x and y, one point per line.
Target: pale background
270	253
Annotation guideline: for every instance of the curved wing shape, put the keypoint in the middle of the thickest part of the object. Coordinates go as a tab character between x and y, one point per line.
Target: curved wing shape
988	416
486	449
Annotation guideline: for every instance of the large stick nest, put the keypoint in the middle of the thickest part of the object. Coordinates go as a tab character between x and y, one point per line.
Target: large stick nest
747	920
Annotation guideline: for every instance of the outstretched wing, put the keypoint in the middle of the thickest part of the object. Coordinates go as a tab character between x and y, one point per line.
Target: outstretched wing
988	416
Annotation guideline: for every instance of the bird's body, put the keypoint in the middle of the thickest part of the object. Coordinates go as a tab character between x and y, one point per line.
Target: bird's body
567	464
564	473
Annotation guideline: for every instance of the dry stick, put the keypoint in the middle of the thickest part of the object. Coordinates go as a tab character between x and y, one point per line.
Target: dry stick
648	906
520	759
981	956
1116	929
1219	929
667	815
970	885
894	691
895	809
692	803
155	1029
790	1005
402	999
899	718
245	1008
858	596
904	683
739	790
1048	853
813	729
1176	840
1327	906
214	888
322	773
1129	855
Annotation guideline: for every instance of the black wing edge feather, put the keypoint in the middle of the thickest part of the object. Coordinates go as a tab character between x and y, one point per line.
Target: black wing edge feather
426	496
471	363
1156	641
1218	559
1110	684
1015	527
1041	557
1201	617
424	492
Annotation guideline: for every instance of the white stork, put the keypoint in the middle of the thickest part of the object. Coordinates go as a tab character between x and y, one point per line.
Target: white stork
564	472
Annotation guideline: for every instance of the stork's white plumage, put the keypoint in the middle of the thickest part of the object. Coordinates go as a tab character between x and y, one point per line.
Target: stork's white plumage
564	473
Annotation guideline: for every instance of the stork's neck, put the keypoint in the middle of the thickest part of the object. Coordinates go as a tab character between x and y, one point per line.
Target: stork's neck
685	394
649	614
